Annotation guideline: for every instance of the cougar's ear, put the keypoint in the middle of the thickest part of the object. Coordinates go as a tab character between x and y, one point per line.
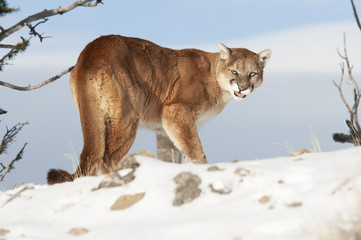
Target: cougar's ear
264	56
224	52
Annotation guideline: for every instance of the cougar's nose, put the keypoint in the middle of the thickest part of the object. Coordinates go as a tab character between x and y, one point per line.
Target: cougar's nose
243	87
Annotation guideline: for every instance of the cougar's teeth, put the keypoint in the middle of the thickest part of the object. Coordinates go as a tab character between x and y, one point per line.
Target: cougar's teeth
239	94
235	88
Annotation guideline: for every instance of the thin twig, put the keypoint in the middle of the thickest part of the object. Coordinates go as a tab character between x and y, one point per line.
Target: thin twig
17	194
34	33
353	124
356	15
10	136
44	14
338	86
6	46
28	88
11	165
354	134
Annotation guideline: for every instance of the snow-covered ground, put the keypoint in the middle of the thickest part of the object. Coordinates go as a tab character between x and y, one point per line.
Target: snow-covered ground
309	196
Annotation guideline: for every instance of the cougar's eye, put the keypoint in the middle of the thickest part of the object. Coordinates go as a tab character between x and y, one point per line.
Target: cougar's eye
252	74
234	72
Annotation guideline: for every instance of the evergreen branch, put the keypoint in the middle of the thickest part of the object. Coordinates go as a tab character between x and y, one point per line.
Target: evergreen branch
4	9
18	48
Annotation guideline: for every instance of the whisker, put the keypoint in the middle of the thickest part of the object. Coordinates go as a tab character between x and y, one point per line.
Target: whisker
265	90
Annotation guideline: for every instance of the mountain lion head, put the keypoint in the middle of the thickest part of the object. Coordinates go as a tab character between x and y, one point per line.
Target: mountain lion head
239	70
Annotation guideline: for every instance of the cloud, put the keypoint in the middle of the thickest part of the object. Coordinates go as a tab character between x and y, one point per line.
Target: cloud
305	49
309	49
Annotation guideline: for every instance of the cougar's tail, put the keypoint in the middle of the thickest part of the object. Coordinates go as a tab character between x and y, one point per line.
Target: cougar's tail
59	176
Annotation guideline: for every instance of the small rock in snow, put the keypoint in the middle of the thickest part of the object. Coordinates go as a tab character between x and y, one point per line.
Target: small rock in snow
115	180
242	172
78	231
3	232
187	188
214	169
220	187
126	201
129	161
294	204
265	199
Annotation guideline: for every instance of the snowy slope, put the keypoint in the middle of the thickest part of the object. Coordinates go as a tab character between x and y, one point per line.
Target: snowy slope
299	197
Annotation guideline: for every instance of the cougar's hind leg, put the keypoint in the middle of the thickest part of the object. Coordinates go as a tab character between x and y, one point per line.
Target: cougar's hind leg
120	135
118	124
93	128
86	98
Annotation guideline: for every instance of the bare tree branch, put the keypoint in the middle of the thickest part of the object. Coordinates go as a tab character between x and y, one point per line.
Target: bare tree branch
339	87
354	134
6	170
28	88
353	123
46	13
356	15
6	46
34	33
10	136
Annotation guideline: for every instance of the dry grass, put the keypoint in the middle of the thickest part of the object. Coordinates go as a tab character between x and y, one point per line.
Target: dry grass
315	145
342	230
72	157
347	225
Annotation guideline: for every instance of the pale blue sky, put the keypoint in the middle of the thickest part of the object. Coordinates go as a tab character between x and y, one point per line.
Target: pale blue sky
297	92
186	22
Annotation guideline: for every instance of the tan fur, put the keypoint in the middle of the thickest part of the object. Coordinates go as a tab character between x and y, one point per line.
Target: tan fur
121	83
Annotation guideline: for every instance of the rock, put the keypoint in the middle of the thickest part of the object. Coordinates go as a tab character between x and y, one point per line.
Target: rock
220	187
214	169
294	204
115	180
4	232
265	199
129	161
242	172
126	201
78	231
187	188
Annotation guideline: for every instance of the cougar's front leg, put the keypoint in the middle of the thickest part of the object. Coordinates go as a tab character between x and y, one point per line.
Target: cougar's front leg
179	125
166	150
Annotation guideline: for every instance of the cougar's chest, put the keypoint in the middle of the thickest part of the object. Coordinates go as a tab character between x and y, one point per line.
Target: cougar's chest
206	116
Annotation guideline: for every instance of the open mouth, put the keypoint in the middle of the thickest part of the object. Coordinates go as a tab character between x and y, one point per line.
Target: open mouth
238	92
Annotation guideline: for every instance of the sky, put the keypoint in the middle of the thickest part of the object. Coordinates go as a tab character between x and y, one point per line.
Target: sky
296	100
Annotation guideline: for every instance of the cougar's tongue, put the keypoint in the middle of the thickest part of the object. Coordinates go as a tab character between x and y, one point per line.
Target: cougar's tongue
239	94
238	91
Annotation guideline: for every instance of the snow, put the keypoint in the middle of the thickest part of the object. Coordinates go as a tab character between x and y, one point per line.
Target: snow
297	197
